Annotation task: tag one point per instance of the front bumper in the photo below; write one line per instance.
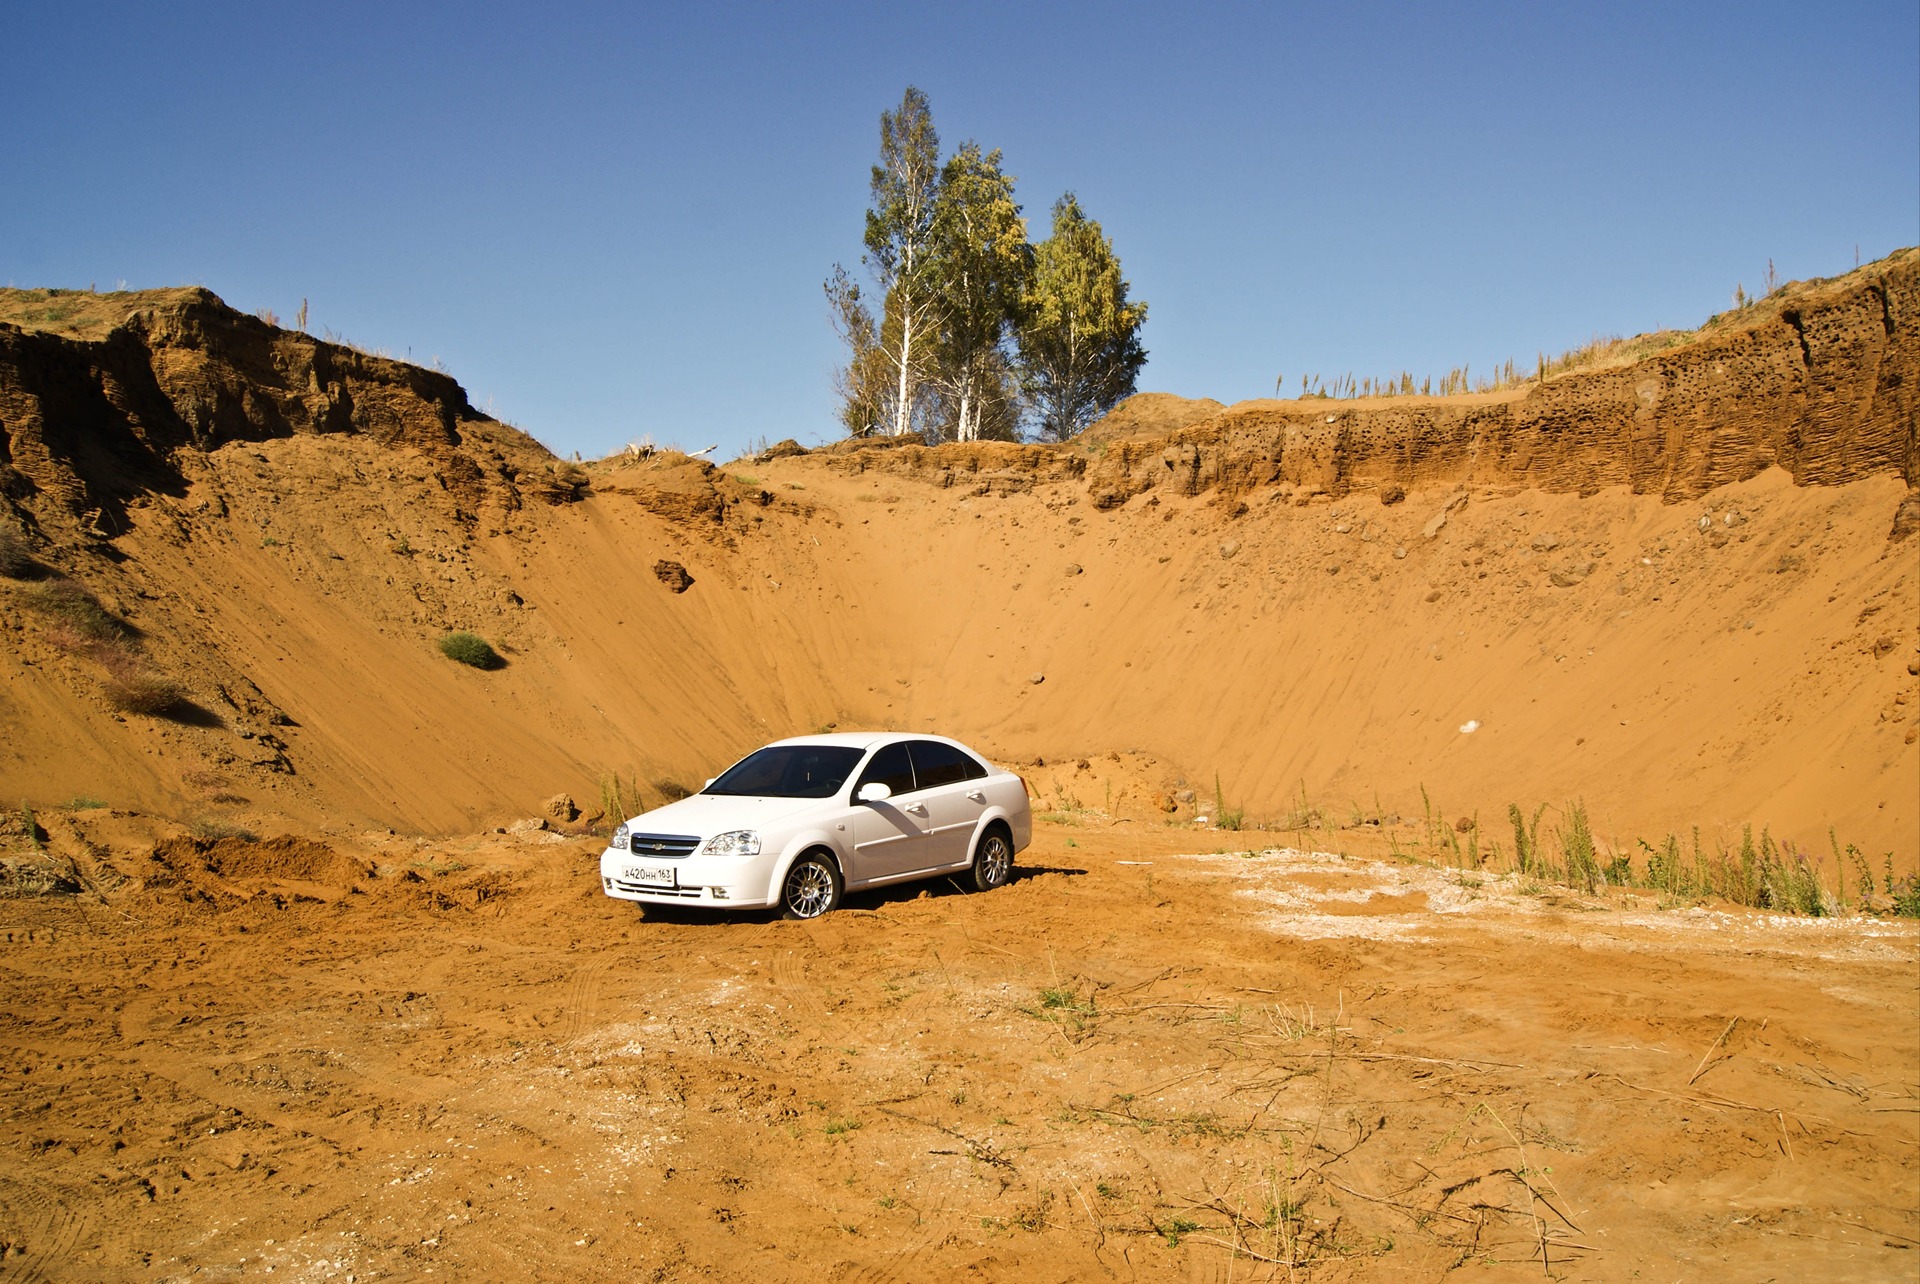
(720, 882)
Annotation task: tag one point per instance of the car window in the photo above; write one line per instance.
(890, 767)
(935, 763)
(788, 771)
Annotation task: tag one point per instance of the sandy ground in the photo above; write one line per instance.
(1161, 1053)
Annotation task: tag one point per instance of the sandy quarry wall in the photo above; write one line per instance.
(1686, 606)
(1818, 380)
(96, 411)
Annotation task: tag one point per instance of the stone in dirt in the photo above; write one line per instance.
(532, 825)
(562, 808)
(673, 575)
(1439, 520)
(1906, 518)
(1568, 576)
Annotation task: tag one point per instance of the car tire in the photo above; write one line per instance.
(992, 861)
(811, 888)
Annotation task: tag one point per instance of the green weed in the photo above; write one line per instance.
(1225, 817)
(470, 649)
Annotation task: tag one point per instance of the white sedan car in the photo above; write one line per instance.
(798, 823)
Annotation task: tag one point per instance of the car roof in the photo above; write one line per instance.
(863, 739)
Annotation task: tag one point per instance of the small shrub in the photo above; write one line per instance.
(1577, 849)
(143, 691)
(132, 685)
(1906, 896)
(1225, 817)
(470, 649)
(618, 800)
(70, 605)
(16, 560)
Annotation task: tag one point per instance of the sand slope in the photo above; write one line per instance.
(1667, 589)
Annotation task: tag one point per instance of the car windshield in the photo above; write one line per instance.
(788, 771)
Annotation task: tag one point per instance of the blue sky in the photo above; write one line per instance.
(613, 220)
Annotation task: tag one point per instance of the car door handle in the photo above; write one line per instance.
(917, 809)
(976, 795)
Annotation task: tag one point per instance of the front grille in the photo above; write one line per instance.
(662, 846)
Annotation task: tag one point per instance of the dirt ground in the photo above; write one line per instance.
(1161, 1053)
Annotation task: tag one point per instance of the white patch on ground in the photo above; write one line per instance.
(1283, 880)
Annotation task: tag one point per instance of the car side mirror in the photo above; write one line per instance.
(874, 791)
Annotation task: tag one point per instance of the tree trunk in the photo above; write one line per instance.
(903, 408)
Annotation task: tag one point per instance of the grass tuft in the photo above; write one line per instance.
(134, 688)
(77, 611)
(1225, 817)
(470, 649)
(16, 559)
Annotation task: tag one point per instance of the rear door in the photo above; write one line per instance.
(948, 788)
(888, 837)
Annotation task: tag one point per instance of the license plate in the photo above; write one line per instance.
(656, 875)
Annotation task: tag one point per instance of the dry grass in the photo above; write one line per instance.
(16, 558)
(74, 611)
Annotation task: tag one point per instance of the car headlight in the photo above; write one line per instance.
(735, 842)
(620, 837)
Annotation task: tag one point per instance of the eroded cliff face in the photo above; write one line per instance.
(1817, 380)
(98, 393)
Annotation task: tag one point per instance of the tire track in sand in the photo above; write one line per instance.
(790, 978)
(40, 1227)
(908, 1265)
(584, 989)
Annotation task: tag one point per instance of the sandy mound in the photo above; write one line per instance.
(246, 866)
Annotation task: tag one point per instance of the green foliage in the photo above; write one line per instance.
(975, 328)
(904, 187)
(1578, 858)
(619, 800)
(1906, 896)
(979, 265)
(1761, 872)
(1225, 817)
(1079, 336)
(1526, 840)
(470, 649)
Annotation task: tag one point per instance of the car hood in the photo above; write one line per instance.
(705, 814)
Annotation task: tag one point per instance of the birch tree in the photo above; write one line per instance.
(978, 267)
(1079, 336)
(905, 185)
